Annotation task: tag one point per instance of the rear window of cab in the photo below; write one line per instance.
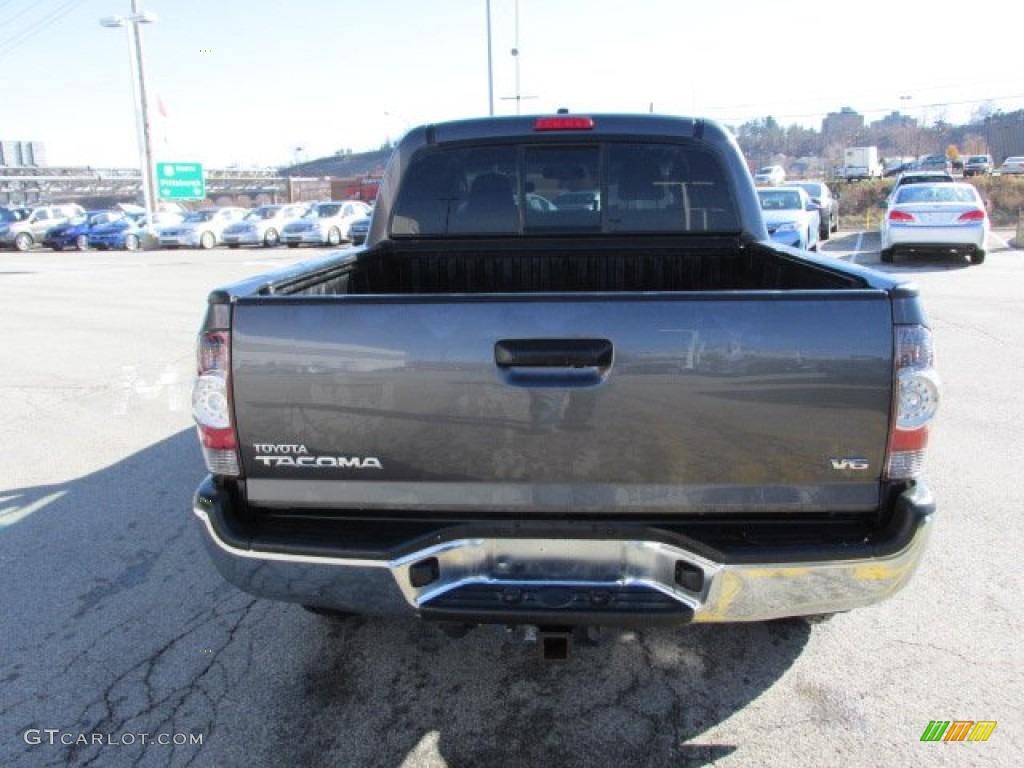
(552, 189)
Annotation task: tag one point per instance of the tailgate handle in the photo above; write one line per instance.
(553, 353)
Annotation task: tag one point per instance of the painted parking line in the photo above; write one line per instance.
(1002, 243)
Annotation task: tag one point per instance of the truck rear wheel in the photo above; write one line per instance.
(885, 255)
(978, 257)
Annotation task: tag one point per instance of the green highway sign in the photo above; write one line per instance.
(180, 181)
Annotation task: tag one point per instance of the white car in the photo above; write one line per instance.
(772, 175)
(935, 218)
(1012, 166)
(202, 228)
(325, 224)
(24, 232)
(263, 225)
(791, 217)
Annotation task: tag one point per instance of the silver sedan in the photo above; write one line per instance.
(262, 226)
(935, 218)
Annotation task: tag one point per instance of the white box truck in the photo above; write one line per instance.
(861, 163)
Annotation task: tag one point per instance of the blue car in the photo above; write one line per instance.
(124, 234)
(75, 233)
(127, 233)
(358, 230)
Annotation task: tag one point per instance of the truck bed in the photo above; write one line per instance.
(709, 264)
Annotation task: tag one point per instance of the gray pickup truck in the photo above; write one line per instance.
(568, 381)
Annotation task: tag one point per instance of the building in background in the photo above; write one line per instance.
(1004, 134)
(19, 154)
(845, 122)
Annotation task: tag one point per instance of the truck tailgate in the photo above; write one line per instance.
(666, 403)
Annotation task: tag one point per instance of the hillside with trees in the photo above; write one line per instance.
(806, 151)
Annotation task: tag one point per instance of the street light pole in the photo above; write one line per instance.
(148, 182)
(515, 54)
(132, 23)
(490, 65)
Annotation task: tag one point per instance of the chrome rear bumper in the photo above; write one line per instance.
(483, 579)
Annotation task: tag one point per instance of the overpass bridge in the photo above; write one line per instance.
(100, 187)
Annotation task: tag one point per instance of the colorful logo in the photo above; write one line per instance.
(958, 730)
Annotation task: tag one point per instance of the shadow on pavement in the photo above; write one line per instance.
(921, 262)
(115, 622)
(390, 692)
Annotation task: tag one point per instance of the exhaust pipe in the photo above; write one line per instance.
(555, 644)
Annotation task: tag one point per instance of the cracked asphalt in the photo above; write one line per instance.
(120, 645)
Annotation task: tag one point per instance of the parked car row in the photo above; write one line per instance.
(968, 165)
(69, 226)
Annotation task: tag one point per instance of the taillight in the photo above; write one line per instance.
(975, 215)
(917, 400)
(564, 123)
(211, 404)
(900, 216)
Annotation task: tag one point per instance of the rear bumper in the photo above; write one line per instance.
(959, 237)
(788, 237)
(242, 238)
(613, 579)
(315, 237)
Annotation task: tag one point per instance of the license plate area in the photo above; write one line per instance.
(554, 580)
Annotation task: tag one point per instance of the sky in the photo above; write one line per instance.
(263, 83)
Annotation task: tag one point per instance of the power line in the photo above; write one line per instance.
(880, 110)
(854, 97)
(30, 7)
(8, 45)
